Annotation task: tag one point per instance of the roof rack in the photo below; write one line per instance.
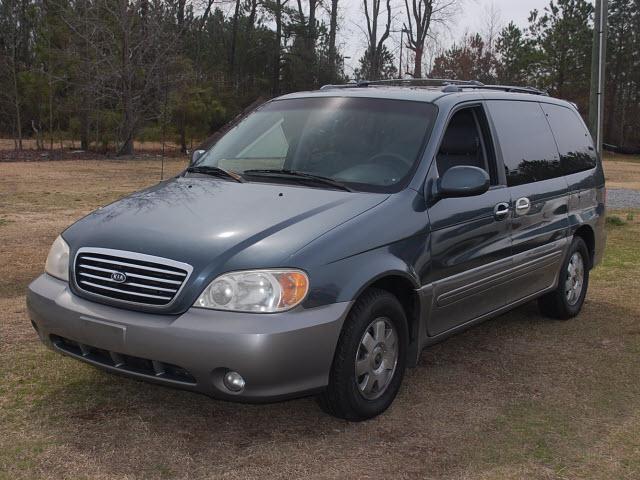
(502, 88)
(448, 85)
(406, 82)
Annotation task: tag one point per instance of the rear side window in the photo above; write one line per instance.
(574, 142)
(528, 148)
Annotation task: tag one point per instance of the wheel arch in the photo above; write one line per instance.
(405, 288)
(587, 234)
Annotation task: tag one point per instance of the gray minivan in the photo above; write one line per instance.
(329, 237)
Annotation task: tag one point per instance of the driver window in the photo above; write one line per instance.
(463, 144)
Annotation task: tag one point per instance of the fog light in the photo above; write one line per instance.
(234, 381)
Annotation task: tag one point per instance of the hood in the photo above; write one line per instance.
(216, 225)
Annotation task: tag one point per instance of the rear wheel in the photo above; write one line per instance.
(567, 299)
(370, 358)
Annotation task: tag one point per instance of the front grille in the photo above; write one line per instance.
(129, 277)
(124, 363)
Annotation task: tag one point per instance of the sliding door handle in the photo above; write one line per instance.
(501, 211)
(523, 205)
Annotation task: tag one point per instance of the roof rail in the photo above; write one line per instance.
(449, 85)
(406, 82)
(502, 88)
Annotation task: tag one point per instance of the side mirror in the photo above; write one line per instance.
(462, 181)
(195, 156)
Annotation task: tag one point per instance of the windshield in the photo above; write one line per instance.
(366, 143)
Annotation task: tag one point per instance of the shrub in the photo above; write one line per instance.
(615, 221)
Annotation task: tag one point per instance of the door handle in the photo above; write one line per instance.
(501, 210)
(523, 205)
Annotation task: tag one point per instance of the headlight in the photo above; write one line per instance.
(263, 291)
(58, 260)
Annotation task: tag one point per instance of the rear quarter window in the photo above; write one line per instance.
(574, 141)
(528, 148)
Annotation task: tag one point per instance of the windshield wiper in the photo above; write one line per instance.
(215, 172)
(296, 175)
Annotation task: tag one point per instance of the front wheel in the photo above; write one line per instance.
(567, 299)
(370, 358)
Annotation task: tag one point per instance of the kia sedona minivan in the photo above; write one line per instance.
(329, 237)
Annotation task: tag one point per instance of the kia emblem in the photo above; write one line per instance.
(118, 277)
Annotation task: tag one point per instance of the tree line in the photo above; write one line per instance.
(553, 53)
(108, 72)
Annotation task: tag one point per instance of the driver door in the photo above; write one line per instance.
(470, 239)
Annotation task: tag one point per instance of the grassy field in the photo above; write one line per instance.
(517, 397)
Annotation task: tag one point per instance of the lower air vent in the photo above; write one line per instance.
(124, 363)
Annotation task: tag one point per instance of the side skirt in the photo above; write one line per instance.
(427, 292)
(465, 326)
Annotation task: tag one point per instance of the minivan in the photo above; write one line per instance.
(327, 238)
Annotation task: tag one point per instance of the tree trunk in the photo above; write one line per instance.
(616, 75)
(128, 125)
(84, 130)
(180, 13)
(17, 106)
(128, 120)
(37, 130)
(623, 117)
(127, 147)
(376, 45)
(16, 93)
(311, 35)
(417, 66)
(333, 26)
(234, 40)
(276, 57)
(252, 15)
(183, 138)
(50, 81)
(311, 45)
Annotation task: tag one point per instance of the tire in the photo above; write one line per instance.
(559, 303)
(360, 396)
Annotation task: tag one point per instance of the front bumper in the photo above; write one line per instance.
(279, 355)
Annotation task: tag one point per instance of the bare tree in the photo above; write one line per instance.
(375, 42)
(421, 15)
(493, 25)
(130, 49)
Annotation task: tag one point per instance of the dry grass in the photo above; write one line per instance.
(517, 397)
(39, 199)
(622, 171)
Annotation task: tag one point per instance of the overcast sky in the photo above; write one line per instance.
(472, 17)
